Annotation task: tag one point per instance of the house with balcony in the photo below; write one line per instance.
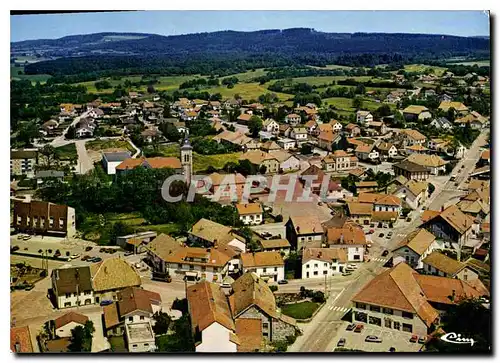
(268, 265)
(367, 152)
(339, 161)
(250, 213)
(293, 119)
(439, 264)
(363, 117)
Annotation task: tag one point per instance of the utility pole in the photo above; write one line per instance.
(325, 287)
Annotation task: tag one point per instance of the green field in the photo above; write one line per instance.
(98, 228)
(66, 152)
(202, 162)
(42, 78)
(249, 75)
(480, 63)
(332, 66)
(345, 104)
(302, 310)
(438, 71)
(97, 145)
(247, 91)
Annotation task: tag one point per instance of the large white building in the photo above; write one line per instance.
(268, 265)
(320, 262)
(111, 160)
(250, 213)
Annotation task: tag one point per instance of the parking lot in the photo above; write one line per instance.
(390, 338)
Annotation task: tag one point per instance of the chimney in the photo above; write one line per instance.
(342, 238)
(442, 208)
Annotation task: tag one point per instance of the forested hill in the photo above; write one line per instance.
(294, 46)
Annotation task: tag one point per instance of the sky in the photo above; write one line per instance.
(463, 23)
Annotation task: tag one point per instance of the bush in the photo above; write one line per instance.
(318, 297)
(273, 288)
(278, 218)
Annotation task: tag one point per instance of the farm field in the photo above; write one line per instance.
(480, 63)
(247, 91)
(98, 145)
(42, 78)
(345, 104)
(202, 162)
(332, 66)
(422, 67)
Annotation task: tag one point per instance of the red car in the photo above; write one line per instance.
(359, 328)
(414, 339)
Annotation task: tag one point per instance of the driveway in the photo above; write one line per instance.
(99, 341)
(84, 163)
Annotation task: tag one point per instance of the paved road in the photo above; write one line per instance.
(84, 163)
(60, 140)
(321, 333)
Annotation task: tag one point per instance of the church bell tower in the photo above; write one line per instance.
(187, 160)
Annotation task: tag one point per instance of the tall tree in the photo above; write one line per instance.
(255, 125)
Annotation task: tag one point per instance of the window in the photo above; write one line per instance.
(61, 222)
(130, 318)
(18, 219)
(307, 266)
(360, 306)
(309, 238)
(315, 265)
(315, 273)
(275, 269)
(146, 344)
(325, 272)
(203, 268)
(191, 267)
(388, 311)
(264, 269)
(407, 327)
(134, 346)
(397, 325)
(67, 304)
(375, 308)
(325, 264)
(375, 321)
(265, 325)
(68, 295)
(216, 269)
(334, 268)
(388, 323)
(407, 315)
(141, 317)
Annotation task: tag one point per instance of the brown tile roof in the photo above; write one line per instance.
(70, 317)
(244, 117)
(306, 224)
(211, 231)
(249, 208)
(455, 218)
(250, 333)
(164, 162)
(418, 240)
(428, 215)
(348, 234)
(416, 147)
(356, 208)
(217, 257)
(385, 146)
(458, 106)
(274, 243)
(328, 136)
(397, 288)
(478, 265)
(410, 166)
(366, 184)
(292, 115)
(364, 148)
(416, 187)
(132, 299)
(163, 245)
(388, 200)
(111, 316)
(440, 289)
(250, 290)
(351, 127)
(324, 254)
(217, 178)
(415, 109)
(20, 340)
(478, 184)
(258, 259)
(114, 273)
(270, 146)
(72, 280)
(443, 263)
(426, 160)
(207, 305)
(310, 123)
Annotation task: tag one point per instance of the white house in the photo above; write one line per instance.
(293, 119)
(211, 320)
(268, 265)
(412, 137)
(414, 193)
(67, 322)
(366, 152)
(439, 264)
(442, 123)
(363, 117)
(271, 126)
(250, 213)
(299, 134)
(336, 126)
(349, 237)
(288, 162)
(415, 247)
(320, 262)
(111, 160)
(286, 143)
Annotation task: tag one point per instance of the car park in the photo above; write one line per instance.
(351, 327)
(341, 342)
(283, 282)
(373, 339)
(414, 339)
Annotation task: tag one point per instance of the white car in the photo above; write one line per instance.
(74, 257)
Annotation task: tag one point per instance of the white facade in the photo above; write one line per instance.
(216, 338)
(414, 201)
(274, 273)
(412, 258)
(209, 273)
(272, 127)
(362, 118)
(292, 163)
(110, 166)
(70, 300)
(318, 268)
(387, 208)
(251, 219)
(65, 330)
(140, 337)
(337, 127)
(286, 143)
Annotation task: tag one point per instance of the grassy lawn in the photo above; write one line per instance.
(98, 229)
(66, 152)
(249, 75)
(97, 145)
(118, 344)
(332, 66)
(302, 310)
(247, 91)
(345, 104)
(202, 162)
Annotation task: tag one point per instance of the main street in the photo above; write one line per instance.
(319, 335)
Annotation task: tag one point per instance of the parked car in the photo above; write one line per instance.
(359, 328)
(95, 259)
(422, 340)
(14, 249)
(130, 253)
(20, 236)
(351, 327)
(283, 282)
(86, 258)
(385, 253)
(102, 250)
(57, 254)
(371, 231)
(88, 248)
(74, 257)
(341, 342)
(29, 287)
(408, 219)
(25, 238)
(392, 349)
(373, 339)
(389, 235)
(347, 273)
(381, 235)
(414, 339)
(106, 302)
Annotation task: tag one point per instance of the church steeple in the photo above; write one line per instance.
(187, 160)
